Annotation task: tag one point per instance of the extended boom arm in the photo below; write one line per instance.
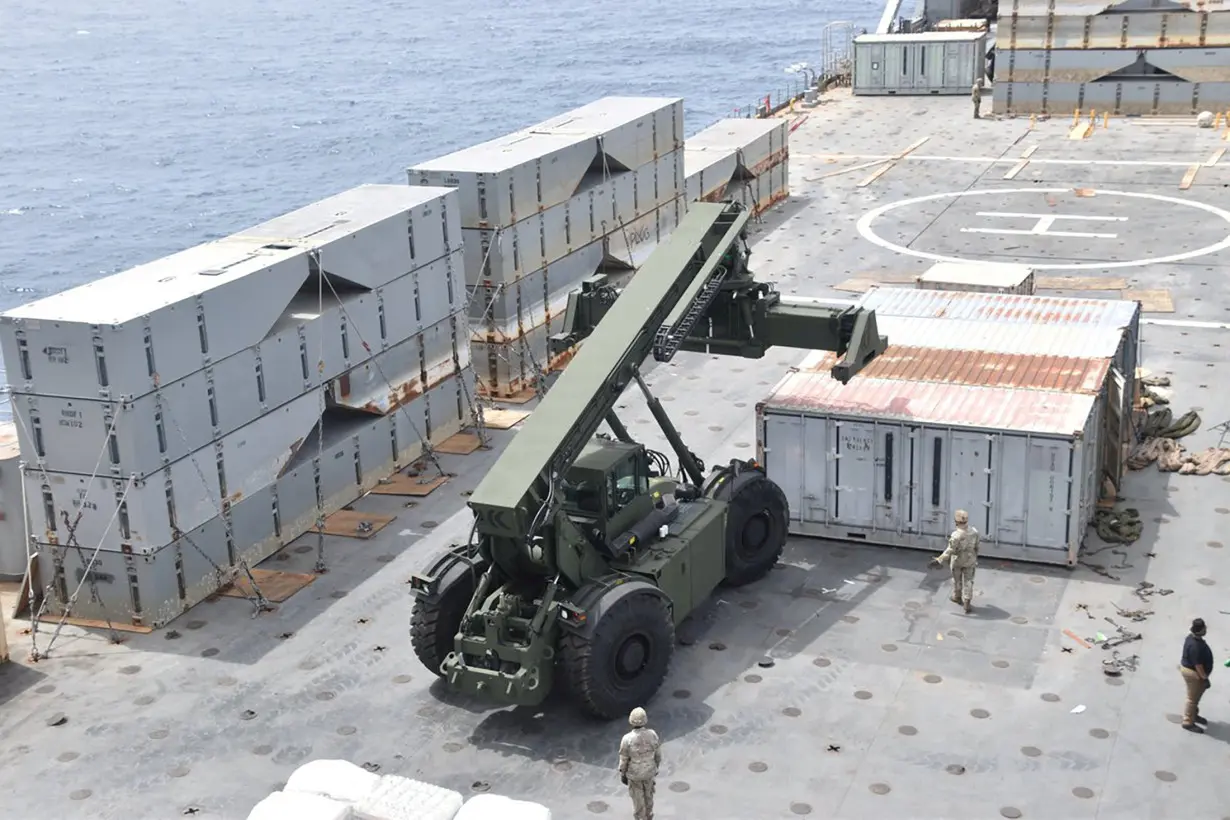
(734, 315)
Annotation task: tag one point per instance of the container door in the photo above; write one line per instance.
(892, 479)
(1049, 492)
(954, 77)
(854, 474)
(1013, 498)
(971, 477)
(925, 65)
(816, 460)
(1112, 440)
(876, 68)
(783, 457)
(908, 68)
(933, 489)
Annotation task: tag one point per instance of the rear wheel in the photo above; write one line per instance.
(435, 622)
(624, 660)
(756, 524)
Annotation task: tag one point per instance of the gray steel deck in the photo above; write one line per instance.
(883, 701)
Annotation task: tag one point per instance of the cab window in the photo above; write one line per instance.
(627, 481)
(583, 497)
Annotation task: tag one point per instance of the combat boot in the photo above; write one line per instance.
(954, 598)
(969, 607)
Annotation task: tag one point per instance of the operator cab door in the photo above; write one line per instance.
(854, 470)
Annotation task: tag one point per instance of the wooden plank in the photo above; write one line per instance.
(1151, 301)
(914, 146)
(851, 169)
(884, 169)
(461, 444)
(888, 278)
(501, 419)
(401, 484)
(855, 285)
(1029, 152)
(522, 396)
(90, 623)
(1079, 640)
(1081, 131)
(1216, 158)
(356, 523)
(1189, 177)
(1080, 283)
(1016, 169)
(275, 585)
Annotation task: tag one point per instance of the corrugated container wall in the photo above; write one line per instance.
(890, 461)
(177, 413)
(13, 542)
(1012, 323)
(550, 206)
(947, 62)
(742, 159)
(1136, 61)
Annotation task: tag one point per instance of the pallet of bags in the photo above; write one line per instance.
(299, 806)
(374, 797)
(495, 807)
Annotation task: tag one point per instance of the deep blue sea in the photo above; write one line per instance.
(134, 129)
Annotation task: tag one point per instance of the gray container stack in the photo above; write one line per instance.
(589, 191)
(171, 416)
(1123, 58)
(742, 159)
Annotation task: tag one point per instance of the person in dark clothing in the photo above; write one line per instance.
(1196, 665)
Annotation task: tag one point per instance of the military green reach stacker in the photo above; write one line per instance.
(586, 553)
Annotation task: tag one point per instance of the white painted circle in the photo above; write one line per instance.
(865, 230)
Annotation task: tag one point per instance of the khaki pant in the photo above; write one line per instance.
(1195, 690)
(977, 107)
(963, 584)
(642, 798)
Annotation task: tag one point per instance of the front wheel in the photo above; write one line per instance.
(435, 622)
(622, 663)
(756, 524)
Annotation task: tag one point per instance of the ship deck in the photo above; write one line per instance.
(844, 685)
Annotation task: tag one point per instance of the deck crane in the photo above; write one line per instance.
(585, 553)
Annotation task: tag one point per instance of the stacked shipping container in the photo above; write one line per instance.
(548, 207)
(1011, 407)
(747, 160)
(1125, 58)
(206, 408)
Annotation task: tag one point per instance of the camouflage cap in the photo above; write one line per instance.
(961, 517)
(638, 718)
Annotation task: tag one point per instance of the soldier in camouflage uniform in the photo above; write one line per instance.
(962, 553)
(640, 755)
(975, 96)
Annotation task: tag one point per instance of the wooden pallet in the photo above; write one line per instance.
(402, 484)
(347, 523)
(275, 586)
(90, 623)
(500, 419)
(461, 444)
(1151, 301)
(1080, 283)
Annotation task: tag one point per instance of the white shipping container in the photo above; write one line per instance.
(372, 234)
(709, 172)
(632, 245)
(889, 462)
(510, 178)
(525, 301)
(504, 255)
(760, 143)
(933, 62)
(634, 131)
(979, 277)
(150, 325)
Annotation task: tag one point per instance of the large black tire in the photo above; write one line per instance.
(624, 661)
(434, 624)
(756, 527)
